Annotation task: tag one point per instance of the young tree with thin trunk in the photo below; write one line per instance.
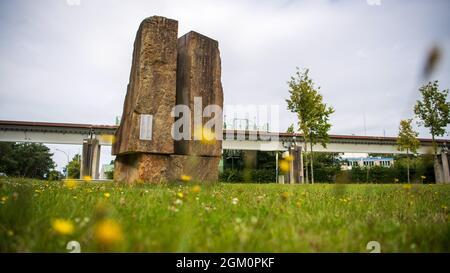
(312, 113)
(300, 102)
(407, 140)
(320, 126)
(433, 111)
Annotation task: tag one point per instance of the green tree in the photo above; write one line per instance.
(300, 102)
(319, 128)
(54, 175)
(407, 140)
(433, 110)
(73, 167)
(312, 114)
(32, 160)
(290, 129)
(8, 164)
(110, 172)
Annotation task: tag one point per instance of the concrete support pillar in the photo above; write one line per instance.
(298, 165)
(438, 176)
(445, 167)
(292, 171)
(90, 159)
(295, 174)
(441, 169)
(276, 167)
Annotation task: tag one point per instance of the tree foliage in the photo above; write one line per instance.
(407, 137)
(32, 160)
(312, 113)
(290, 129)
(302, 99)
(407, 140)
(433, 110)
(74, 167)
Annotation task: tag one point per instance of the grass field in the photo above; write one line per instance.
(40, 216)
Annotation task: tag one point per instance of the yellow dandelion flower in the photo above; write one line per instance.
(87, 179)
(284, 166)
(185, 178)
(196, 189)
(205, 135)
(70, 184)
(107, 194)
(285, 195)
(180, 194)
(110, 139)
(4, 198)
(107, 232)
(208, 136)
(62, 226)
(289, 158)
(407, 186)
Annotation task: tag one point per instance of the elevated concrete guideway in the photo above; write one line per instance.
(73, 133)
(93, 136)
(54, 133)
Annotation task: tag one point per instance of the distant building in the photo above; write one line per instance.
(350, 162)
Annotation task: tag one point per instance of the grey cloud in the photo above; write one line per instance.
(71, 63)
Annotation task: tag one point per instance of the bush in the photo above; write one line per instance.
(230, 175)
(248, 175)
(419, 166)
(54, 175)
(326, 167)
(263, 176)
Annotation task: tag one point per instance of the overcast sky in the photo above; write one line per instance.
(69, 60)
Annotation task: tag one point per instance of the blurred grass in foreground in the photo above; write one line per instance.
(41, 216)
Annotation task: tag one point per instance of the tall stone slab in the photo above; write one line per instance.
(144, 145)
(199, 76)
(146, 121)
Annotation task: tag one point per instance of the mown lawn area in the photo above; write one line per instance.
(42, 216)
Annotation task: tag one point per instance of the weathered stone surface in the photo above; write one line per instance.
(155, 168)
(144, 167)
(199, 75)
(151, 89)
(200, 168)
(157, 83)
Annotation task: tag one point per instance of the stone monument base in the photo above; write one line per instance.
(157, 168)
